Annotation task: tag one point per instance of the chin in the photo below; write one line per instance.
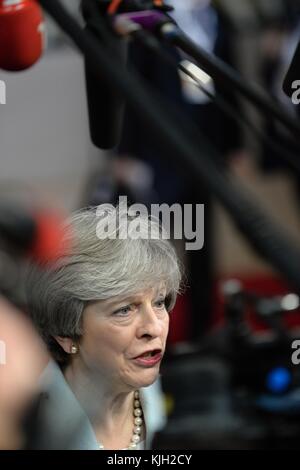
(146, 379)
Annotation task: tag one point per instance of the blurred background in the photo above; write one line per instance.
(232, 329)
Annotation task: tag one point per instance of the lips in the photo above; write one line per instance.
(148, 354)
(149, 358)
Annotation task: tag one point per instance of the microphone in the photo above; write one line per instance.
(21, 34)
(105, 104)
(38, 235)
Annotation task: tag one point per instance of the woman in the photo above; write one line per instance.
(103, 310)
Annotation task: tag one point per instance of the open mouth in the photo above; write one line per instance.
(150, 354)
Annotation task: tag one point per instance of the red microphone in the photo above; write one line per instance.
(51, 239)
(21, 34)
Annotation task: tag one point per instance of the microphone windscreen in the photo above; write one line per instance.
(105, 104)
(21, 34)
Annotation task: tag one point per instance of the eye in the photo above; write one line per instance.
(122, 312)
(161, 303)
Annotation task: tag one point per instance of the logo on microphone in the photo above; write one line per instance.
(2, 353)
(2, 92)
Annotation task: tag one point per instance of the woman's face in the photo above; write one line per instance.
(124, 339)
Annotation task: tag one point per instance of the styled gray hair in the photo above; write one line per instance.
(96, 266)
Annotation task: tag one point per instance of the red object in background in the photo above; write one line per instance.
(21, 34)
(50, 240)
(266, 286)
(180, 320)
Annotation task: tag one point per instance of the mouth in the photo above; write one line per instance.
(149, 358)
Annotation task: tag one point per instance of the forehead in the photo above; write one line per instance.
(135, 296)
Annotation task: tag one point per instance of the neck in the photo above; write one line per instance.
(108, 407)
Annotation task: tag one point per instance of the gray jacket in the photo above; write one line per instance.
(63, 425)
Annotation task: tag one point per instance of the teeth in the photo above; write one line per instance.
(147, 354)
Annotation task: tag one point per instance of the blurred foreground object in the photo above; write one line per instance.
(38, 234)
(22, 359)
(34, 234)
(239, 388)
(21, 34)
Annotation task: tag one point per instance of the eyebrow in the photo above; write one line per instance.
(133, 298)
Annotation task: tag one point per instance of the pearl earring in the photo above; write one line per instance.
(74, 349)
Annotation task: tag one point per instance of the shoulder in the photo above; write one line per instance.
(58, 421)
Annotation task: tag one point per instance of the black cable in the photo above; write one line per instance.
(190, 150)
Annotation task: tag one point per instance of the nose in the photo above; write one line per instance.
(150, 325)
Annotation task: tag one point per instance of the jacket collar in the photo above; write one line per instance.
(64, 424)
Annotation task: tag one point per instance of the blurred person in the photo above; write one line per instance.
(104, 314)
(22, 358)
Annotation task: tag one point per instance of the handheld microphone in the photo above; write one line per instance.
(21, 34)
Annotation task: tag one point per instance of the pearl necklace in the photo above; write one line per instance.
(138, 422)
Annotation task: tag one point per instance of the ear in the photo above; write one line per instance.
(65, 342)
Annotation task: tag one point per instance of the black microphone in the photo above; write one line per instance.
(291, 84)
(16, 227)
(105, 104)
(105, 108)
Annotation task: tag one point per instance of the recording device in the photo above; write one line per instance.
(21, 34)
(239, 388)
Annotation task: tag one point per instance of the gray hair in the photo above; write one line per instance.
(97, 267)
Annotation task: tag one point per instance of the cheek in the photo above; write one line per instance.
(166, 323)
(105, 341)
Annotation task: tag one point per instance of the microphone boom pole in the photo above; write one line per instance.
(228, 77)
(159, 23)
(188, 148)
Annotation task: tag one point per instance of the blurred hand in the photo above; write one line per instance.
(22, 359)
